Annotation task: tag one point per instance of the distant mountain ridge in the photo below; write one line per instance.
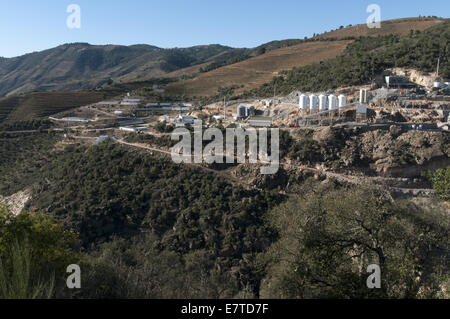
(83, 66)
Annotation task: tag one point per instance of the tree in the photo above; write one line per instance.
(328, 238)
(35, 251)
(441, 183)
(18, 282)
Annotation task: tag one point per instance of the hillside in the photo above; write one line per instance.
(83, 66)
(41, 104)
(80, 66)
(253, 72)
(364, 61)
(400, 27)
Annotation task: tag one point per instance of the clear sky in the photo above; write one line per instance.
(34, 25)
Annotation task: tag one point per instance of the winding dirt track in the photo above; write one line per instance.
(355, 180)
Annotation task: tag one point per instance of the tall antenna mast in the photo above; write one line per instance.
(274, 92)
(224, 108)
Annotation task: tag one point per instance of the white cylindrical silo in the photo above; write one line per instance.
(342, 101)
(332, 102)
(363, 96)
(303, 102)
(313, 103)
(322, 102)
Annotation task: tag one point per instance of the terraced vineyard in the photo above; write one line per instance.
(42, 104)
(254, 72)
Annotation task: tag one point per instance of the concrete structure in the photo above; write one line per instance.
(129, 103)
(241, 111)
(72, 119)
(260, 121)
(363, 96)
(244, 110)
(342, 101)
(313, 103)
(361, 109)
(332, 102)
(131, 100)
(323, 102)
(132, 129)
(304, 102)
(182, 120)
(398, 82)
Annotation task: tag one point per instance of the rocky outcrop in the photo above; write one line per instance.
(17, 201)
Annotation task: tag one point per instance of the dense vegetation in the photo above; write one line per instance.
(365, 58)
(30, 125)
(186, 210)
(338, 234)
(441, 182)
(21, 157)
(142, 227)
(34, 252)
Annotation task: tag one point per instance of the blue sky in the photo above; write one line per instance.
(34, 25)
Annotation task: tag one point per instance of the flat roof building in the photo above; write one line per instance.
(108, 103)
(260, 121)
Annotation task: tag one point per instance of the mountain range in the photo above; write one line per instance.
(82, 66)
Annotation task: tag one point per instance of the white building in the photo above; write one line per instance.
(132, 129)
(260, 121)
(182, 120)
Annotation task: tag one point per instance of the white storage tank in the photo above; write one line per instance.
(322, 102)
(312, 102)
(303, 102)
(332, 105)
(363, 96)
(342, 101)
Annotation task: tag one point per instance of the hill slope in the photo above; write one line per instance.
(40, 104)
(400, 27)
(255, 71)
(83, 66)
(364, 61)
